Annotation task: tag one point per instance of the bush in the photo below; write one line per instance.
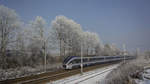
(122, 74)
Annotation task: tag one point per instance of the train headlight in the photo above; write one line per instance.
(69, 66)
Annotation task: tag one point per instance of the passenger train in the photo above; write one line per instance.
(71, 62)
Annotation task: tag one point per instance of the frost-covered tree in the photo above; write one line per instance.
(87, 41)
(9, 22)
(92, 44)
(39, 38)
(107, 50)
(115, 50)
(20, 41)
(96, 44)
(68, 33)
(38, 31)
(110, 49)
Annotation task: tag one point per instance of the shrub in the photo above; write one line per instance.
(122, 74)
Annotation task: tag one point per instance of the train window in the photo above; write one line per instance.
(95, 59)
(78, 60)
(100, 58)
(92, 59)
(75, 61)
(85, 60)
(109, 57)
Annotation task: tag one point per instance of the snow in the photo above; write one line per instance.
(145, 81)
(147, 73)
(25, 71)
(91, 77)
(146, 78)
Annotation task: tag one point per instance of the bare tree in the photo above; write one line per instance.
(92, 43)
(68, 33)
(110, 49)
(9, 23)
(40, 36)
(97, 45)
(20, 41)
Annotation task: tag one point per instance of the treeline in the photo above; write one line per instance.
(29, 44)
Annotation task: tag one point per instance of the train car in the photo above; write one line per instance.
(75, 61)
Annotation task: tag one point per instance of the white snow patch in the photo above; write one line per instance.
(18, 72)
(146, 78)
(91, 77)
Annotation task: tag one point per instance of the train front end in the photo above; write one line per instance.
(66, 62)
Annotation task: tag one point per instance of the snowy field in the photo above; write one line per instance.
(91, 77)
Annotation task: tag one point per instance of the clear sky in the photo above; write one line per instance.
(116, 21)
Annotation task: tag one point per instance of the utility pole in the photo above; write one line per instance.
(45, 52)
(81, 65)
(137, 52)
(45, 55)
(124, 51)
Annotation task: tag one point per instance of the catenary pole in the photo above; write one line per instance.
(124, 51)
(81, 65)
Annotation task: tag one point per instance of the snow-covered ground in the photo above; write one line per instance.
(146, 78)
(26, 71)
(91, 77)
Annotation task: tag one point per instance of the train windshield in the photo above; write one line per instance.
(67, 59)
(75, 61)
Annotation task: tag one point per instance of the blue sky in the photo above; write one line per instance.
(116, 21)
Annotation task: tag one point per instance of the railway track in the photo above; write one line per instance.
(77, 79)
(51, 76)
(87, 77)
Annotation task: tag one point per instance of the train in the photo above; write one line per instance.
(72, 62)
